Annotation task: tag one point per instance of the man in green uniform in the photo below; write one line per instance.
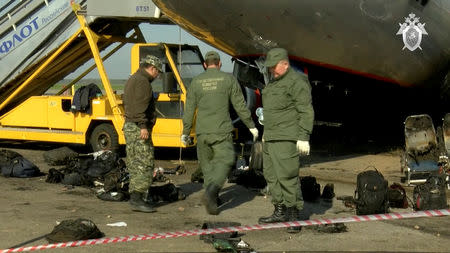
(288, 123)
(140, 118)
(210, 94)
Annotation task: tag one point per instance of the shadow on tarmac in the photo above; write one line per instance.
(190, 188)
(235, 195)
(319, 206)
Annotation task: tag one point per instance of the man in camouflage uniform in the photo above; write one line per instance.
(210, 94)
(288, 123)
(140, 118)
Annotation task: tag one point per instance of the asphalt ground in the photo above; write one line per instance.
(30, 208)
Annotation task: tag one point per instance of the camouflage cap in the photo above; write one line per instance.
(212, 55)
(154, 61)
(274, 56)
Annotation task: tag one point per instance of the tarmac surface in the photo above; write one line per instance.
(30, 208)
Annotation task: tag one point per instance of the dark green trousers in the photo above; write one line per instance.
(140, 158)
(281, 171)
(216, 155)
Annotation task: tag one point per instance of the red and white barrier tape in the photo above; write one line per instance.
(361, 218)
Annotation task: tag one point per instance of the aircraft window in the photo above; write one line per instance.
(66, 104)
(156, 51)
(169, 110)
(157, 84)
(191, 64)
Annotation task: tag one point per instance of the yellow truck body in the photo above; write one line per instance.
(24, 116)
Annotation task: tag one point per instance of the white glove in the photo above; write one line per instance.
(254, 132)
(184, 139)
(303, 147)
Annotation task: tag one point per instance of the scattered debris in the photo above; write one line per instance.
(229, 242)
(112, 196)
(180, 169)
(348, 201)
(331, 228)
(117, 224)
(165, 193)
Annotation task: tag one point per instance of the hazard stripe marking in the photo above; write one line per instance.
(361, 218)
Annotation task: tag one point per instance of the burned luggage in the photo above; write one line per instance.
(7, 155)
(371, 193)
(74, 230)
(397, 196)
(431, 195)
(20, 167)
(59, 156)
(310, 188)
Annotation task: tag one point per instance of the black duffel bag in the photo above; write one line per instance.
(20, 167)
(430, 195)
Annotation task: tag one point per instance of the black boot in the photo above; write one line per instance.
(210, 199)
(279, 215)
(293, 215)
(139, 205)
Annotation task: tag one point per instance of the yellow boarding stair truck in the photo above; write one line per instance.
(42, 41)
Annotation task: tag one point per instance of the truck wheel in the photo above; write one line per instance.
(104, 137)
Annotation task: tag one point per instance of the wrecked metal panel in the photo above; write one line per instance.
(446, 131)
(420, 135)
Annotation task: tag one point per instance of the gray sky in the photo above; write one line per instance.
(118, 65)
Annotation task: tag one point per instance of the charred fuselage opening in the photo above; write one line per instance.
(351, 108)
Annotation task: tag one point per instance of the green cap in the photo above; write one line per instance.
(274, 56)
(154, 61)
(212, 55)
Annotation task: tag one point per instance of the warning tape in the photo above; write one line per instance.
(361, 218)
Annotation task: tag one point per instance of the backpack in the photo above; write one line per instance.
(74, 230)
(371, 194)
(20, 167)
(81, 101)
(310, 188)
(431, 194)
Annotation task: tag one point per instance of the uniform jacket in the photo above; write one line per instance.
(211, 94)
(288, 110)
(81, 101)
(138, 100)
